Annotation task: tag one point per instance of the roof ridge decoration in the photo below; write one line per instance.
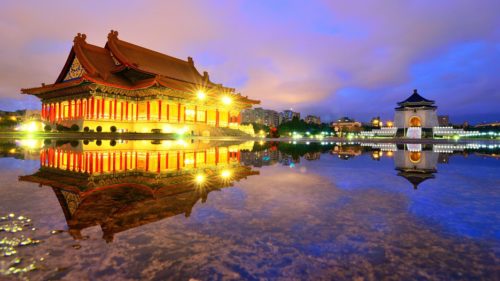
(79, 42)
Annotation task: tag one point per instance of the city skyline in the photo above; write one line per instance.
(322, 59)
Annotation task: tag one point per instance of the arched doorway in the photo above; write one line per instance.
(415, 122)
(415, 156)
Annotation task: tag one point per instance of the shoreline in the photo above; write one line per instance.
(161, 136)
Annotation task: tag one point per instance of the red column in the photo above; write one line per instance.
(92, 107)
(166, 161)
(70, 115)
(239, 118)
(103, 106)
(114, 109)
(114, 162)
(147, 161)
(137, 112)
(87, 108)
(195, 113)
(168, 112)
(148, 110)
(121, 160)
(126, 110)
(178, 160)
(217, 118)
(102, 162)
(110, 116)
(59, 113)
(159, 163)
(159, 109)
(185, 114)
(86, 162)
(216, 155)
(80, 158)
(78, 109)
(91, 163)
(81, 109)
(179, 113)
(98, 109)
(74, 162)
(136, 160)
(126, 161)
(97, 156)
(109, 162)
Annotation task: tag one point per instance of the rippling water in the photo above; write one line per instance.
(175, 210)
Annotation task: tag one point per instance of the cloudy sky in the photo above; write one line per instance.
(331, 58)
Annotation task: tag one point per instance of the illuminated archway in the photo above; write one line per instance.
(415, 122)
(415, 156)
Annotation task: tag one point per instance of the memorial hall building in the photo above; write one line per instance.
(127, 88)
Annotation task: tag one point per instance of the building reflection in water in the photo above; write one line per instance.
(120, 186)
(126, 184)
(415, 164)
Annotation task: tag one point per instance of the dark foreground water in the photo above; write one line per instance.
(181, 210)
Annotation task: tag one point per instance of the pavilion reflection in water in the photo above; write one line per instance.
(415, 164)
(120, 186)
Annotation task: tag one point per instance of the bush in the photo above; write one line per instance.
(74, 143)
(86, 129)
(112, 143)
(113, 129)
(98, 142)
(86, 142)
(61, 128)
(75, 128)
(47, 128)
(99, 129)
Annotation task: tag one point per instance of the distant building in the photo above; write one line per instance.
(288, 115)
(488, 125)
(312, 119)
(376, 122)
(262, 116)
(415, 116)
(444, 120)
(32, 115)
(346, 124)
(17, 115)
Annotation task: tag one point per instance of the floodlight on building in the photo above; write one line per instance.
(201, 94)
(199, 179)
(225, 174)
(227, 100)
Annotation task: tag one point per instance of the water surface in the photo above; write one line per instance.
(177, 210)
